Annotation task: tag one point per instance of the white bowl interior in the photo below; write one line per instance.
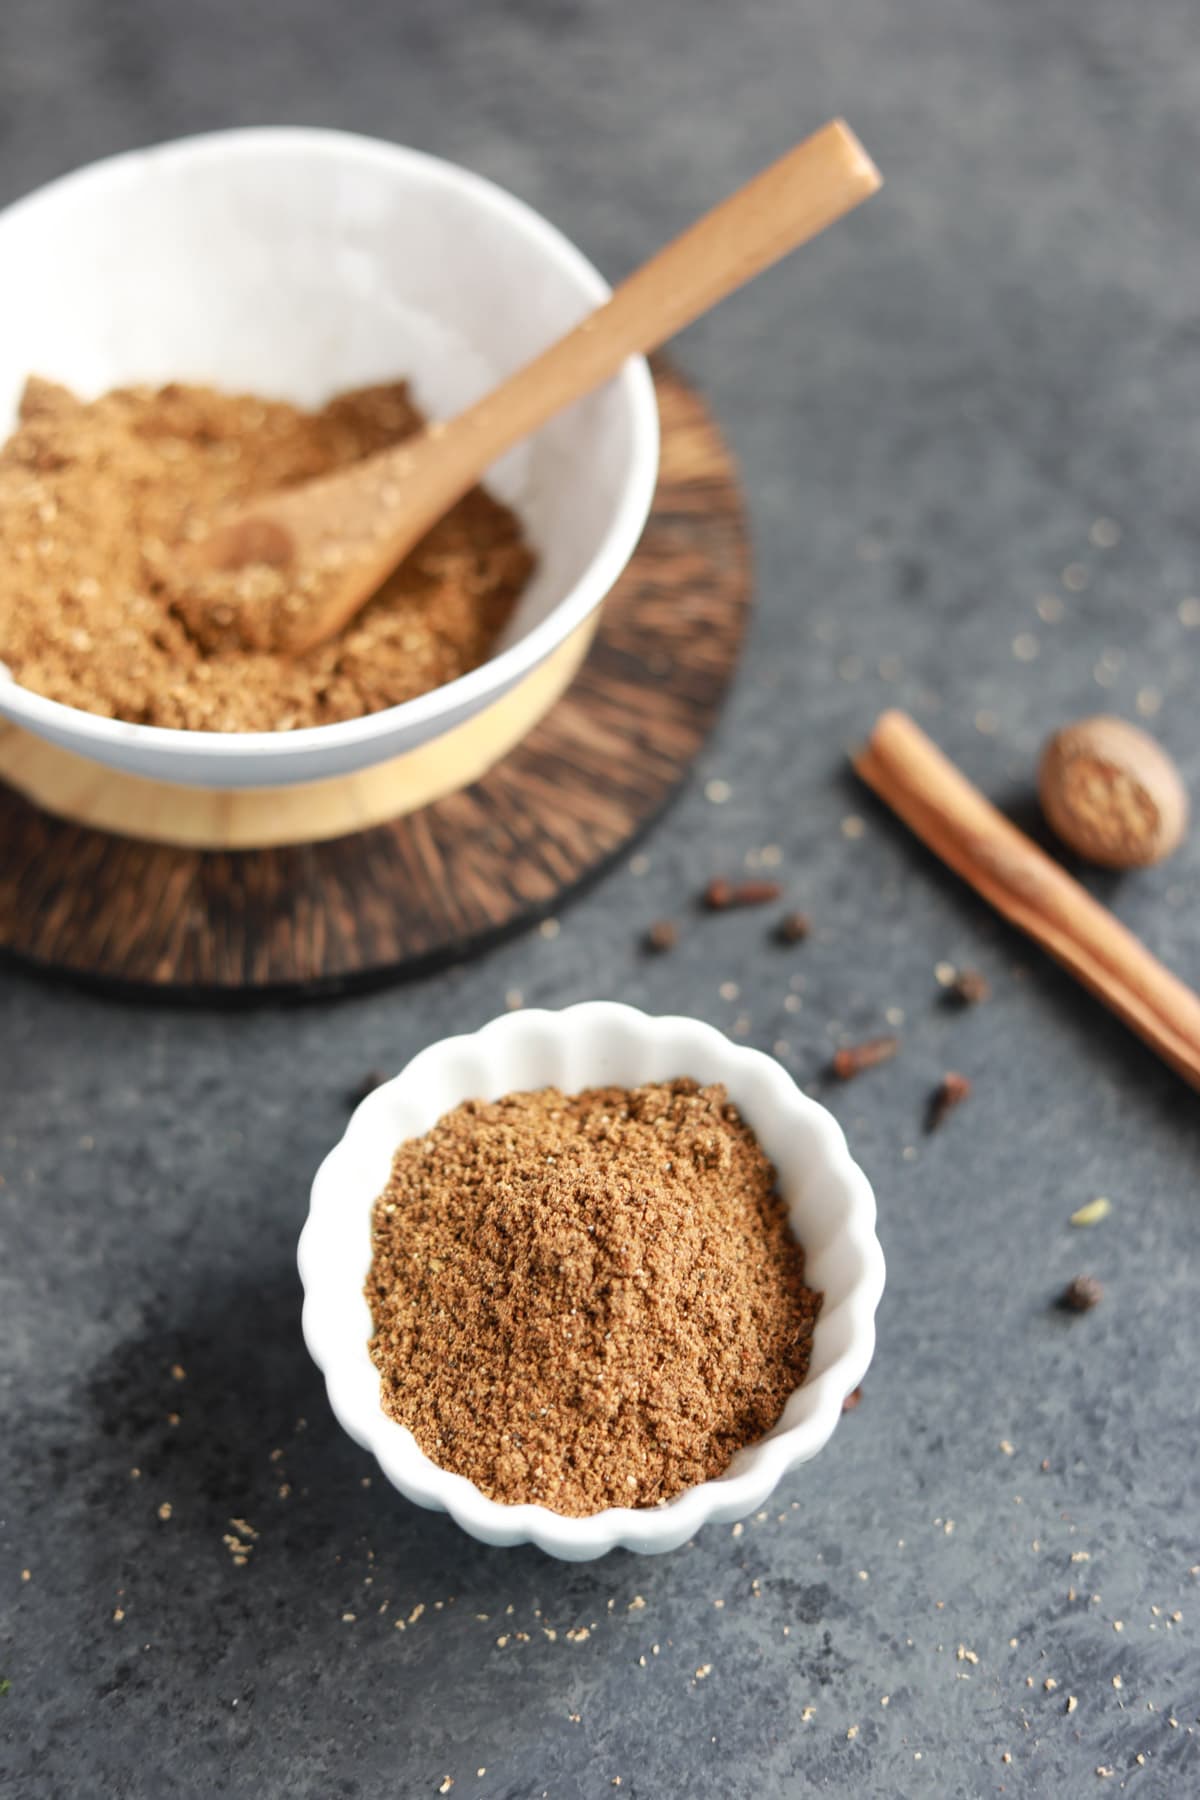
(298, 263)
(829, 1201)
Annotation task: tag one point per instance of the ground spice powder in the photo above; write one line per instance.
(587, 1301)
(95, 498)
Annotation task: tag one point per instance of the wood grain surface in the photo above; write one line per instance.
(443, 881)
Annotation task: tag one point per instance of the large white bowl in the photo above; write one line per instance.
(829, 1201)
(296, 263)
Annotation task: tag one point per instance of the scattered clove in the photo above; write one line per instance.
(969, 988)
(793, 928)
(720, 894)
(663, 935)
(950, 1092)
(1081, 1294)
(852, 1059)
(853, 1399)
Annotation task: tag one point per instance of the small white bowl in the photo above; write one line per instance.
(830, 1205)
(295, 263)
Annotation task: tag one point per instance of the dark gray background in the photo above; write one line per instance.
(932, 407)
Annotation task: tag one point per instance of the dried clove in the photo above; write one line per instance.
(720, 894)
(969, 988)
(1081, 1294)
(793, 928)
(950, 1092)
(852, 1059)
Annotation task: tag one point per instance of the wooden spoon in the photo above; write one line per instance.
(345, 532)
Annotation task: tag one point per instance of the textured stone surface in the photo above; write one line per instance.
(932, 409)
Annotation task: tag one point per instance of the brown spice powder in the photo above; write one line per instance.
(589, 1300)
(95, 498)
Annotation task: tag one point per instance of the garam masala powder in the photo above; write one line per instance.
(589, 1300)
(96, 607)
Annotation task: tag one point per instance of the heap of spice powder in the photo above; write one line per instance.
(589, 1300)
(97, 608)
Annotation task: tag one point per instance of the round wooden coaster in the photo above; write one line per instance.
(468, 868)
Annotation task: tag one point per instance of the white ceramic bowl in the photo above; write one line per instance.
(829, 1200)
(296, 263)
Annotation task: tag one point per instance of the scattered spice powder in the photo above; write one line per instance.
(97, 500)
(587, 1300)
(1093, 1213)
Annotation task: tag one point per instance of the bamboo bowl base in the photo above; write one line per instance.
(331, 884)
(309, 812)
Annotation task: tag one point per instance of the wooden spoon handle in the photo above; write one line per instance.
(1030, 889)
(780, 209)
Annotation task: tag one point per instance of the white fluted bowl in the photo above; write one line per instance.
(830, 1205)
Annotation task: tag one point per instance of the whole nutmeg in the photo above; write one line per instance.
(1112, 794)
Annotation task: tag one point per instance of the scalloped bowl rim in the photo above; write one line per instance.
(336, 1322)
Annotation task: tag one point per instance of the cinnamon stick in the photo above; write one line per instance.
(967, 832)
